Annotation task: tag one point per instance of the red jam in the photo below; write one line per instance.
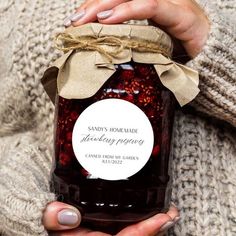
(116, 203)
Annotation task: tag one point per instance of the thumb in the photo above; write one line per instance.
(61, 216)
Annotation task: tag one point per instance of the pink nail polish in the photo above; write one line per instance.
(176, 219)
(68, 217)
(167, 226)
(105, 14)
(67, 22)
(77, 16)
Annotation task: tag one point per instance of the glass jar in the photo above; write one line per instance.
(108, 205)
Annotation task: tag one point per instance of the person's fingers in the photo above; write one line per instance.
(77, 14)
(118, 11)
(157, 10)
(173, 212)
(180, 18)
(60, 216)
(147, 227)
(88, 11)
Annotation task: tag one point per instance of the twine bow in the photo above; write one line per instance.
(66, 42)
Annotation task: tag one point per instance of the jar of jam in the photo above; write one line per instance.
(112, 147)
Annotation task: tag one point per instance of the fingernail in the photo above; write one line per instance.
(174, 205)
(68, 217)
(77, 15)
(176, 219)
(104, 14)
(67, 22)
(166, 226)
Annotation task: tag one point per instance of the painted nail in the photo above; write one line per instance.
(68, 217)
(104, 14)
(77, 15)
(166, 226)
(67, 21)
(173, 204)
(176, 219)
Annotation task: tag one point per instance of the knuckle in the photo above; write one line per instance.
(151, 5)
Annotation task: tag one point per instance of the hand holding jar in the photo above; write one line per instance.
(182, 19)
(62, 219)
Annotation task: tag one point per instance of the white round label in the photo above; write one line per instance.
(112, 139)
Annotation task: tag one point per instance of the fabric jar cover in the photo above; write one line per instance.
(92, 50)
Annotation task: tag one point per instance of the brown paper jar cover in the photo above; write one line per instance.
(83, 77)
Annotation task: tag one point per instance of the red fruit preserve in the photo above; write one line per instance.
(113, 149)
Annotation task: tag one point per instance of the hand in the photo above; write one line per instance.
(183, 19)
(62, 220)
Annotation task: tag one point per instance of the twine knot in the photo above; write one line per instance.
(66, 42)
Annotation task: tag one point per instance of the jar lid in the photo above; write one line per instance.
(141, 38)
(92, 50)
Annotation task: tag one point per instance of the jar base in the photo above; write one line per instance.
(112, 224)
(101, 219)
